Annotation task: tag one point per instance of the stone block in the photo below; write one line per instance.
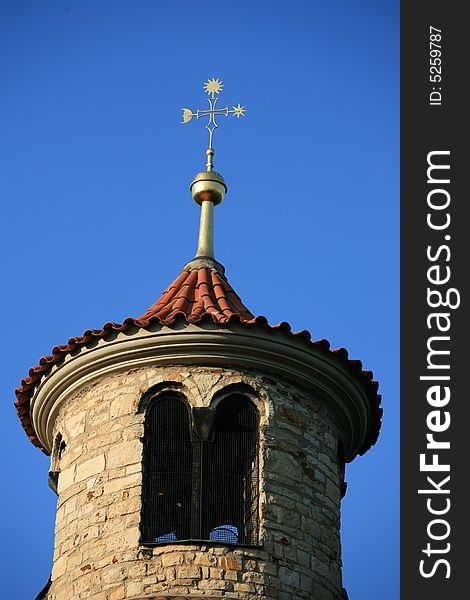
(121, 485)
(135, 468)
(99, 418)
(320, 567)
(267, 567)
(121, 405)
(119, 509)
(289, 577)
(59, 567)
(133, 588)
(283, 465)
(303, 558)
(209, 560)
(188, 572)
(253, 577)
(70, 506)
(90, 467)
(232, 563)
(114, 574)
(175, 558)
(215, 584)
(118, 593)
(216, 573)
(75, 425)
(91, 533)
(66, 479)
(247, 588)
(132, 536)
(306, 583)
(333, 491)
(125, 454)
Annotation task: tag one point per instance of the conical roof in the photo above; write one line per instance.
(201, 288)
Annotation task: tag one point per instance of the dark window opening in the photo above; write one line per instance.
(341, 469)
(230, 474)
(201, 478)
(167, 471)
(58, 451)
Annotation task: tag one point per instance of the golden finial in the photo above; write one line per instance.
(212, 87)
(208, 187)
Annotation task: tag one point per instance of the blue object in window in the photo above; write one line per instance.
(167, 537)
(225, 533)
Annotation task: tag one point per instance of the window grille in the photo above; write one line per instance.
(230, 474)
(168, 461)
(201, 482)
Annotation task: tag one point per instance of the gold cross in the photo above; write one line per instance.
(212, 87)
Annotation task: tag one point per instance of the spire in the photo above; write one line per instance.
(208, 187)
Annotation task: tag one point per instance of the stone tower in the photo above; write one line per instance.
(196, 450)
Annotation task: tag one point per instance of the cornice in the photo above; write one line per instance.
(259, 348)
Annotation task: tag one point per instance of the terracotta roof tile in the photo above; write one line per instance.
(199, 293)
(204, 289)
(202, 277)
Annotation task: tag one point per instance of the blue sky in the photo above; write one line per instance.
(98, 220)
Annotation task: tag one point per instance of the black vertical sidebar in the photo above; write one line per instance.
(435, 257)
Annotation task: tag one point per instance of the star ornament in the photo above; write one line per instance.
(213, 86)
(238, 111)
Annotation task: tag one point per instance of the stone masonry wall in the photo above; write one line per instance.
(97, 553)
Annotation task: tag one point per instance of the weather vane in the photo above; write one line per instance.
(212, 87)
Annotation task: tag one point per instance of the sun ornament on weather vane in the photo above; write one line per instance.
(212, 87)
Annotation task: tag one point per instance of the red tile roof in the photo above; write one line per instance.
(201, 292)
(204, 290)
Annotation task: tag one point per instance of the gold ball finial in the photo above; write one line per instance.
(208, 185)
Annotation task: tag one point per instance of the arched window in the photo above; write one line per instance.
(341, 468)
(168, 464)
(200, 472)
(58, 450)
(230, 474)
